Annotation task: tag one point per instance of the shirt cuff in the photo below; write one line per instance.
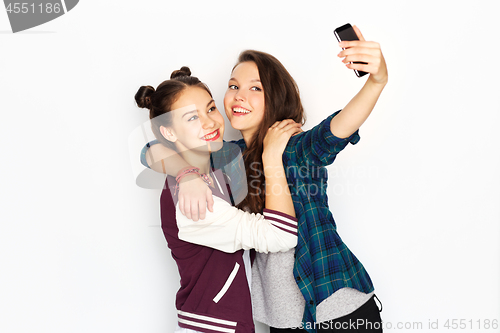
(331, 139)
(144, 151)
(281, 220)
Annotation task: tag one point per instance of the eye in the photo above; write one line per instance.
(213, 108)
(256, 89)
(193, 118)
(233, 87)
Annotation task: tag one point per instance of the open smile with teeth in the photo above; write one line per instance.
(211, 135)
(240, 110)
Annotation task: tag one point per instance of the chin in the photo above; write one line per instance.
(237, 125)
(215, 146)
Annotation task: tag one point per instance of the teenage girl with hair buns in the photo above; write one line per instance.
(214, 295)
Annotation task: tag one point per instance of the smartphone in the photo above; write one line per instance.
(346, 32)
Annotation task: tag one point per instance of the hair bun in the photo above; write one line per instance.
(143, 96)
(184, 71)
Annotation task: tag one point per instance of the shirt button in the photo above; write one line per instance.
(298, 278)
(311, 302)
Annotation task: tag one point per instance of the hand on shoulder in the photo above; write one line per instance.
(277, 137)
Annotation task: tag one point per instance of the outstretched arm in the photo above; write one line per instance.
(359, 108)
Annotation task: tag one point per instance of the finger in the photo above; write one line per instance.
(202, 209)
(290, 129)
(181, 205)
(361, 58)
(285, 123)
(210, 201)
(354, 43)
(362, 67)
(358, 32)
(285, 128)
(194, 211)
(297, 131)
(291, 125)
(187, 209)
(360, 50)
(275, 124)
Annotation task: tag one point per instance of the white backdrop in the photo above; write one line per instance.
(417, 200)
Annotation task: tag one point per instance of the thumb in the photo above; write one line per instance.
(358, 32)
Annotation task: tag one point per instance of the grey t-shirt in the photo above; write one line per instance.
(278, 302)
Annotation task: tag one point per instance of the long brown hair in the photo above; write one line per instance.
(160, 101)
(282, 101)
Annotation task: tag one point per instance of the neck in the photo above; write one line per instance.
(200, 160)
(248, 137)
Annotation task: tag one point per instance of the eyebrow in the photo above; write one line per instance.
(253, 80)
(189, 112)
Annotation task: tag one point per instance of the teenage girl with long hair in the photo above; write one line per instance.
(321, 285)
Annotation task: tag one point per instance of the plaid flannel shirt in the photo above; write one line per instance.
(323, 263)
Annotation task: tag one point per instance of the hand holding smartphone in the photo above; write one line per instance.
(346, 32)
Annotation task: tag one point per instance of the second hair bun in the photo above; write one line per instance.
(184, 71)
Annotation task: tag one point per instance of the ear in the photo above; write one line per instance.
(168, 133)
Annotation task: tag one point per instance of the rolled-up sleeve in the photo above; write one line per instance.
(318, 146)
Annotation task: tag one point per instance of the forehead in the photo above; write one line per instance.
(190, 99)
(246, 70)
(196, 96)
(192, 95)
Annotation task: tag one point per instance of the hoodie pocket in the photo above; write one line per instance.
(228, 283)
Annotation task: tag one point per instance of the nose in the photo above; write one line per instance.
(207, 122)
(239, 95)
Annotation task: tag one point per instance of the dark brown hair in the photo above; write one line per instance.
(282, 101)
(160, 101)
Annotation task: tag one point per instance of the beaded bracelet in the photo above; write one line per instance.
(186, 171)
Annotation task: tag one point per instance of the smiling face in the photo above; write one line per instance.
(244, 99)
(196, 122)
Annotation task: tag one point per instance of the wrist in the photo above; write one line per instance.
(188, 178)
(187, 172)
(378, 83)
(273, 168)
(271, 158)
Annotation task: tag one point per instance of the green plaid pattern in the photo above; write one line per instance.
(323, 263)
